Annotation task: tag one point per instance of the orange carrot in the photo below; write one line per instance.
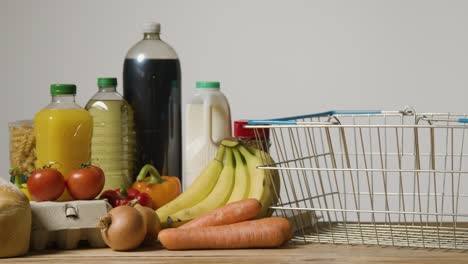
(261, 233)
(231, 213)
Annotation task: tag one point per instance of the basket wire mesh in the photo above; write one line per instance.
(372, 177)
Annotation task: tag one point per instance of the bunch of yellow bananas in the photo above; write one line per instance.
(231, 176)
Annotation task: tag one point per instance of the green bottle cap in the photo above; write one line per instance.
(106, 82)
(56, 89)
(209, 85)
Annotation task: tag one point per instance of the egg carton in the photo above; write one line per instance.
(64, 225)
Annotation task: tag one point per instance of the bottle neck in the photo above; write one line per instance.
(108, 89)
(208, 90)
(63, 98)
(152, 36)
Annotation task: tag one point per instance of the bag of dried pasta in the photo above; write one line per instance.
(22, 152)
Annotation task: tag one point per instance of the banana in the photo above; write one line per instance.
(257, 176)
(266, 201)
(260, 182)
(197, 191)
(241, 181)
(274, 174)
(217, 197)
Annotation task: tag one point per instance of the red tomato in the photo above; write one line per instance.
(85, 183)
(46, 184)
(99, 170)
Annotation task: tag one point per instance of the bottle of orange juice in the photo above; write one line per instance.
(63, 132)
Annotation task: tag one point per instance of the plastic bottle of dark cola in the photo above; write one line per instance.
(152, 86)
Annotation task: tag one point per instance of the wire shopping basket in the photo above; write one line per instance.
(372, 177)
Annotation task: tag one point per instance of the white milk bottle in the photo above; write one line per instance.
(208, 122)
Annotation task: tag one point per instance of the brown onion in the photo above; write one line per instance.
(123, 228)
(153, 225)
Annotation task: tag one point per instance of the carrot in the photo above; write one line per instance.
(261, 233)
(231, 213)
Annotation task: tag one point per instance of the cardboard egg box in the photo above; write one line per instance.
(64, 225)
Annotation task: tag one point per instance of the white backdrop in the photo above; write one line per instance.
(273, 58)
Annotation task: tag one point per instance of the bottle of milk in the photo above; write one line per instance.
(208, 122)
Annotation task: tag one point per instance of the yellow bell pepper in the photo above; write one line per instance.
(161, 189)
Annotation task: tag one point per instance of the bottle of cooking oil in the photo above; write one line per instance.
(113, 140)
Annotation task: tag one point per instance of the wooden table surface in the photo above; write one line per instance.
(291, 253)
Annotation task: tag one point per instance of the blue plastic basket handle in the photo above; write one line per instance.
(463, 120)
(292, 119)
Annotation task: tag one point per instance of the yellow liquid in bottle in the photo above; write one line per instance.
(113, 141)
(63, 137)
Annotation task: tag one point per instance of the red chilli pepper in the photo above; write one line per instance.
(132, 193)
(121, 196)
(144, 199)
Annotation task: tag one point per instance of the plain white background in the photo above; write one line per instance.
(274, 58)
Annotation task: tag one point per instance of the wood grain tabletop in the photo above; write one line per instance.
(291, 253)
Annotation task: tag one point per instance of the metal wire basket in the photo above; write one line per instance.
(372, 177)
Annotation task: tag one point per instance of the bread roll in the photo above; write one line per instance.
(15, 221)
